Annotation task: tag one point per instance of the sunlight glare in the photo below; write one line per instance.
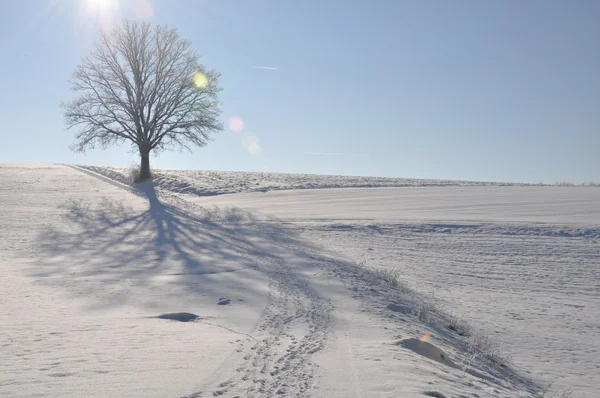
(105, 12)
(113, 9)
(101, 6)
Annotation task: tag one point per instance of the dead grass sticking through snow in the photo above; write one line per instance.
(427, 310)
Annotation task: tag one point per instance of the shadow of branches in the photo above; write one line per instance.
(157, 252)
(169, 249)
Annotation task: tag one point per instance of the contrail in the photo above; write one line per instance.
(265, 67)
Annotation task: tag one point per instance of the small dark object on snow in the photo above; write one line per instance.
(460, 332)
(397, 308)
(454, 329)
(179, 316)
(224, 301)
(434, 394)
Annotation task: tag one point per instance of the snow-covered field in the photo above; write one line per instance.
(206, 182)
(88, 263)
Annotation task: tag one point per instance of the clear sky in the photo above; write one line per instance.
(486, 90)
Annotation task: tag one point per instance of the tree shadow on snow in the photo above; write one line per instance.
(159, 252)
(109, 250)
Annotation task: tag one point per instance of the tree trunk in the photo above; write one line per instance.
(145, 166)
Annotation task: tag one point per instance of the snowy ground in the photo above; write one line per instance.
(88, 263)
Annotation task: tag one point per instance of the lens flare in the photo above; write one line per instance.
(425, 336)
(251, 144)
(254, 148)
(142, 9)
(236, 124)
(200, 80)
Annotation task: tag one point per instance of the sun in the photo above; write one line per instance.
(89, 17)
(101, 7)
(104, 12)
(108, 10)
(101, 4)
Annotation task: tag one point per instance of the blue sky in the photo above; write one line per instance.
(481, 90)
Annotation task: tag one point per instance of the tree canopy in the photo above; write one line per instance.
(143, 84)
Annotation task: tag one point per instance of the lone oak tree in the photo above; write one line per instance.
(143, 84)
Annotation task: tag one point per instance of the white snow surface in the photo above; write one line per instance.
(88, 262)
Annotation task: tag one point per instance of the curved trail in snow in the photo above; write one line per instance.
(295, 325)
(324, 330)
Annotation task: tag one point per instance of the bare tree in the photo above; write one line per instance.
(144, 85)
